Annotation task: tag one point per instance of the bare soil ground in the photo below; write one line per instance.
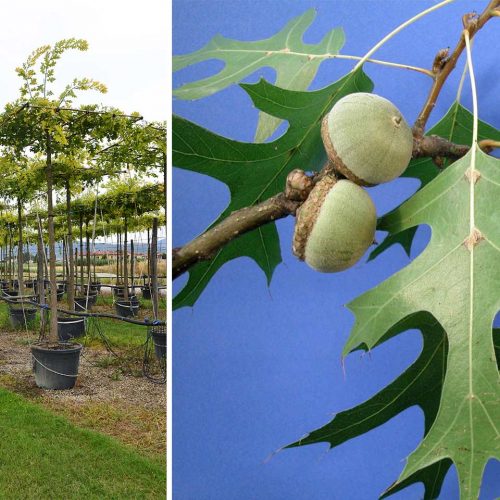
(113, 401)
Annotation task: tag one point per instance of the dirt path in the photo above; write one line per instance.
(130, 408)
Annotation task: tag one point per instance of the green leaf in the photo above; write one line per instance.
(419, 385)
(255, 172)
(404, 238)
(456, 126)
(456, 280)
(295, 62)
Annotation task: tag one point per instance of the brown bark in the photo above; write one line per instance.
(40, 277)
(81, 251)
(240, 222)
(69, 251)
(125, 260)
(154, 268)
(444, 63)
(53, 337)
(20, 259)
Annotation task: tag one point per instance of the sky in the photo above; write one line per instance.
(127, 50)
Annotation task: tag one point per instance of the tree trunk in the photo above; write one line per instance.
(165, 185)
(40, 278)
(52, 248)
(20, 260)
(149, 261)
(29, 258)
(120, 252)
(45, 261)
(10, 257)
(81, 252)
(76, 271)
(71, 263)
(1, 262)
(94, 278)
(117, 261)
(87, 247)
(64, 259)
(125, 261)
(154, 267)
(132, 256)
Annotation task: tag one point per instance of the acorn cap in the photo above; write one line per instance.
(367, 139)
(334, 226)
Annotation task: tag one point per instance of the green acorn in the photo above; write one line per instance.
(367, 139)
(334, 226)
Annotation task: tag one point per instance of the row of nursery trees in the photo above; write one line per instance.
(124, 207)
(71, 172)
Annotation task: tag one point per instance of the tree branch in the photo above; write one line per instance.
(298, 186)
(444, 64)
(205, 246)
(433, 146)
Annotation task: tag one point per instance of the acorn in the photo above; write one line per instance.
(334, 226)
(367, 139)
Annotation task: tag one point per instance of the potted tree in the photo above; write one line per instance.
(37, 124)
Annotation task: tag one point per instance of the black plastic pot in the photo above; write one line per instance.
(94, 289)
(70, 327)
(126, 308)
(56, 368)
(146, 292)
(92, 298)
(19, 317)
(120, 291)
(60, 295)
(82, 304)
(159, 336)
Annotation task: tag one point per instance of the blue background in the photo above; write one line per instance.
(256, 368)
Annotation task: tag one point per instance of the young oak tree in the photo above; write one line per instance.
(36, 125)
(448, 292)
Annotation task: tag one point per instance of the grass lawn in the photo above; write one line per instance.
(44, 456)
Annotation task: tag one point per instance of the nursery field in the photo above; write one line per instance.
(116, 413)
(82, 291)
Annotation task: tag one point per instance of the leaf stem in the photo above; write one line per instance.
(474, 92)
(385, 63)
(398, 29)
(461, 83)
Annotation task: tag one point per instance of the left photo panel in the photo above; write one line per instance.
(83, 250)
